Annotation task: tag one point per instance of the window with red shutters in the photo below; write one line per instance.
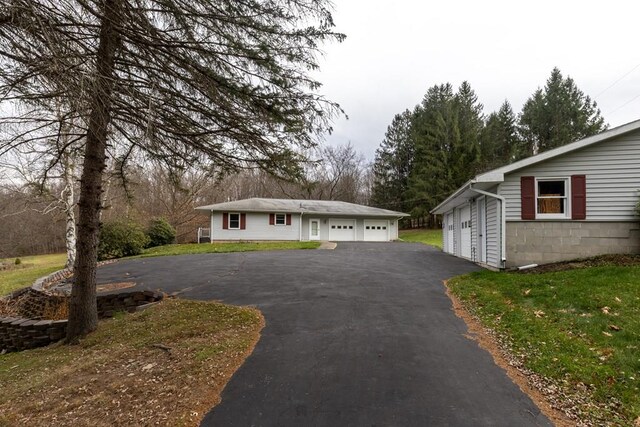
(225, 221)
(288, 219)
(243, 221)
(272, 219)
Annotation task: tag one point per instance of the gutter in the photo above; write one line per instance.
(503, 231)
(301, 226)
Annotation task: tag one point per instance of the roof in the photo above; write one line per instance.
(324, 207)
(486, 180)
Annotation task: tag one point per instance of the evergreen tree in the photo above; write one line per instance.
(470, 121)
(499, 139)
(557, 115)
(393, 163)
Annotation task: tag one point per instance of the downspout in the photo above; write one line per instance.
(210, 227)
(503, 231)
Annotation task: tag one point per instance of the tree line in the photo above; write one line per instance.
(430, 151)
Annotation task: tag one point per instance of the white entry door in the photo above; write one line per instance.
(314, 229)
(376, 230)
(465, 232)
(342, 230)
(449, 232)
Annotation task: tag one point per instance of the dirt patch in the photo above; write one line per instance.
(529, 383)
(108, 287)
(620, 260)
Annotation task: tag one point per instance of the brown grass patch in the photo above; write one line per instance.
(163, 366)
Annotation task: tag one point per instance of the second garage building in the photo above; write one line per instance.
(288, 219)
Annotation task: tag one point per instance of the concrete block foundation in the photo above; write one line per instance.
(543, 242)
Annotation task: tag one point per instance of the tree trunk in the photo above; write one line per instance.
(83, 312)
(68, 201)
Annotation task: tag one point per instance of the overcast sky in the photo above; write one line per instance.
(396, 49)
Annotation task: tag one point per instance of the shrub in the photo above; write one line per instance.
(18, 261)
(160, 233)
(121, 238)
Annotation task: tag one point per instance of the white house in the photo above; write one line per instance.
(574, 201)
(284, 219)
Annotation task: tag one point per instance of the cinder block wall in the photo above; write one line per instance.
(543, 242)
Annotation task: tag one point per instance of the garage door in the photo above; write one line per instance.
(376, 231)
(465, 232)
(341, 230)
(449, 230)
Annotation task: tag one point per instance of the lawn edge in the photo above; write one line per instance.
(485, 338)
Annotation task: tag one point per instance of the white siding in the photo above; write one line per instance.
(493, 232)
(612, 169)
(258, 228)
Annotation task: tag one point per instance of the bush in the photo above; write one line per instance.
(18, 261)
(160, 233)
(121, 238)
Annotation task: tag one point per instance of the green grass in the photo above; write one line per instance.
(423, 235)
(562, 325)
(30, 269)
(113, 374)
(205, 248)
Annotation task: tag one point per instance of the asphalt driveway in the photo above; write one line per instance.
(363, 335)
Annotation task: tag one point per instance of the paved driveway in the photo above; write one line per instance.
(363, 335)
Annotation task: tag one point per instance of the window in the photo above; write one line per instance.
(281, 219)
(551, 198)
(234, 221)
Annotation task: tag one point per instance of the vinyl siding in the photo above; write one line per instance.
(257, 228)
(612, 169)
(493, 232)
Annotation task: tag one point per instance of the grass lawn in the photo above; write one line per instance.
(205, 248)
(579, 328)
(423, 235)
(30, 269)
(166, 365)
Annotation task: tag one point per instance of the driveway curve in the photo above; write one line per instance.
(363, 335)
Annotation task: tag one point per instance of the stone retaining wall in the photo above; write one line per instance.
(17, 334)
(543, 242)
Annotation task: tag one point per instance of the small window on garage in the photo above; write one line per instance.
(384, 227)
(367, 227)
(351, 227)
(552, 198)
(281, 219)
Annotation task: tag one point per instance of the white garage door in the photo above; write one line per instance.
(465, 232)
(376, 231)
(341, 230)
(449, 230)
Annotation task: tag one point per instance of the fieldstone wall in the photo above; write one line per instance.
(22, 333)
(543, 242)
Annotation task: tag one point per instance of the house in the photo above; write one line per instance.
(284, 219)
(574, 201)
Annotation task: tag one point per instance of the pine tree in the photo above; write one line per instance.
(393, 163)
(499, 139)
(557, 115)
(469, 117)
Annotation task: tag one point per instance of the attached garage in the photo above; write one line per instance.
(376, 230)
(342, 230)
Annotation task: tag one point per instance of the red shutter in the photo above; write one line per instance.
(578, 197)
(243, 221)
(272, 219)
(225, 221)
(288, 219)
(528, 197)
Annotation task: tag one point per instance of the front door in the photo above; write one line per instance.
(314, 229)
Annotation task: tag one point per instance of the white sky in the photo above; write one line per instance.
(395, 50)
